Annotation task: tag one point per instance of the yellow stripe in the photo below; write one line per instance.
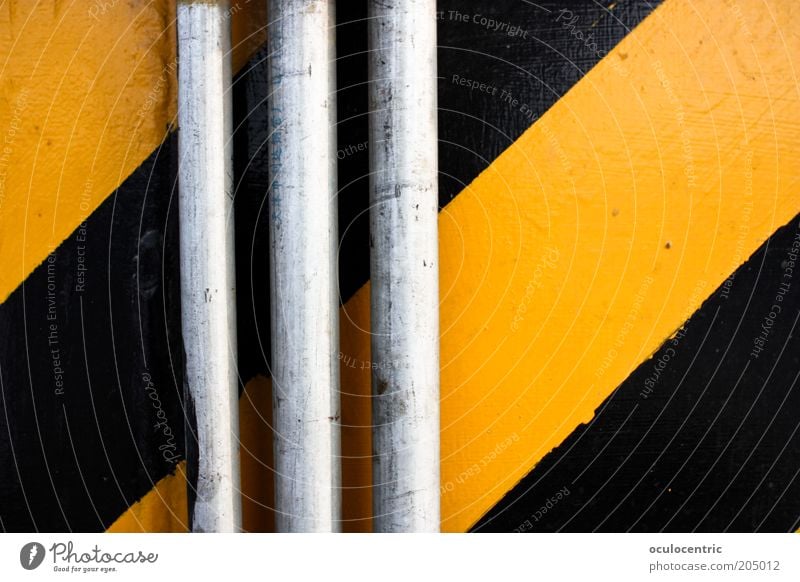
(157, 511)
(589, 241)
(248, 30)
(163, 509)
(604, 227)
(87, 93)
(255, 434)
(356, 414)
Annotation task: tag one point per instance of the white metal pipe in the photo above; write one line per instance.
(303, 265)
(404, 265)
(208, 292)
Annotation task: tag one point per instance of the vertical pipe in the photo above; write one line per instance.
(303, 268)
(404, 265)
(207, 258)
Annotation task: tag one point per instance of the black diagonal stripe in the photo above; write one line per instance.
(534, 51)
(704, 436)
(75, 461)
(503, 64)
(90, 416)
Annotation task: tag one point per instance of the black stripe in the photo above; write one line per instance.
(537, 64)
(704, 436)
(89, 358)
(520, 57)
(76, 461)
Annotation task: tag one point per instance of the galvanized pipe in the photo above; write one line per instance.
(208, 294)
(303, 265)
(404, 265)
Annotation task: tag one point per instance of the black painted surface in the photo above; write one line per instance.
(353, 150)
(536, 64)
(704, 436)
(527, 59)
(251, 184)
(75, 460)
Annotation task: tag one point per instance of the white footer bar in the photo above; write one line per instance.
(491, 557)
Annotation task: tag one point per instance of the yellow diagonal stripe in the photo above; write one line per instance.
(595, 235)
(163, 509)
(591, 239)
(87, 93)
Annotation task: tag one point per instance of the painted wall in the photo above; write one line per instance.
(618, 232)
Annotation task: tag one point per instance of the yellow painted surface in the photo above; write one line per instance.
(356, 414)
(595, 235)
(87, 93)
(248, 29)
(590, 240)
(163, 509)
(255, 434)
(155, 512)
